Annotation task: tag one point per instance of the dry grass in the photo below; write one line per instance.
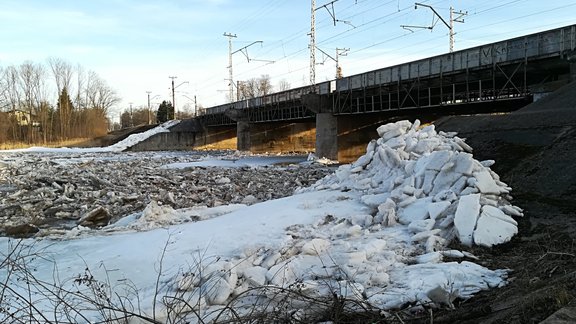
(21, 145)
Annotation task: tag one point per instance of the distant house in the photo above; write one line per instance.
(24, 118)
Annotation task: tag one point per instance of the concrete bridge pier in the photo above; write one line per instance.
(327, 136)
(243, 135)
(326, 125)
(242, 128)
(571, 58)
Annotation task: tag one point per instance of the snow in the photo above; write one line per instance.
(376, 231)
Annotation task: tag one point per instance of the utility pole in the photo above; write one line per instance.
(340, 52)
(313, 46)
(312, 34)
(230, 85)
(173, 97)
(452, 20)
(458, 18)
(149, 117)
(131, 117)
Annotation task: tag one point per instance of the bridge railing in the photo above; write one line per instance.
(556, 42)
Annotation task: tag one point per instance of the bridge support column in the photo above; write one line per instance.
(571, 58)
(326, 125)
(327, 136)
(243, 142)
(243, 135)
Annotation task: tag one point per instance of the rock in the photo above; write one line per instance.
(97, 217)
(21, 231)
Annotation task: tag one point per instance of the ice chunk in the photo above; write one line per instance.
(282, 274)
(379, 279)
(429, 176)
(421, 225)
(256, 276)
(375, 200)
(426, 145)
(315, 247)
(464, 163)
(492, 230)
(466, 217)
(432, 257)
(401, 125)
(452, 254)
(447, 195)
(364, 160)
(217, 290)
(424, 235)
(436, 209)
(510, 210)
(460, 142)
(438, 159)
(444, 180)
(459, 185)
(389, 157)
(396, 142)
(485, 183)
(375, 246)
(497, 213)
(387, 213)
(416, 211)
(487, 163)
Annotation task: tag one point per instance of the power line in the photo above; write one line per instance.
(362, 28)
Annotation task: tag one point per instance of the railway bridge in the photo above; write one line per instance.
(337, 118)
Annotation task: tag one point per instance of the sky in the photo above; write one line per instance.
(136, 45)
(376, 231)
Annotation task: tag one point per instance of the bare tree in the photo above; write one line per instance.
(79, 101)
(32, 85)
(255, 87)
(264, 85)
(283, 85)
(63, 73)
(28, 115)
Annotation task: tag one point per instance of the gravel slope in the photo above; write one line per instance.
(535, 153)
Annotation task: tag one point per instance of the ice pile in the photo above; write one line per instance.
(430, 181)
(139, 137)
(413, 192)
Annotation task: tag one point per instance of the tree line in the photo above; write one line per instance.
(258, 87)
(30, 114)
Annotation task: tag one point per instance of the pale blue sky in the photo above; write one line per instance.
(135, 45)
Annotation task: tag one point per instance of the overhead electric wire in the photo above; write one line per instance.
(373, 24)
